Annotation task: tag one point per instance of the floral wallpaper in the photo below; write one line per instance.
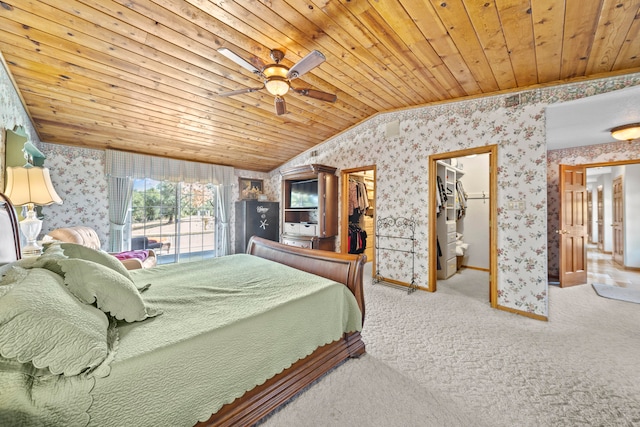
(402, 183)
(78, 176)
(524, 167)
(402, 176)
(12, 113)
(602, 153)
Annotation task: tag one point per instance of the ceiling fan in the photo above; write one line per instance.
(277, 77)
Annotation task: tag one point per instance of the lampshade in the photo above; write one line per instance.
(276, 83)
(30, 185)
(626, 132)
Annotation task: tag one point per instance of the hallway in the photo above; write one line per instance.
(602, 269)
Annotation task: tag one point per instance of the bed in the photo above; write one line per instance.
(185, 356)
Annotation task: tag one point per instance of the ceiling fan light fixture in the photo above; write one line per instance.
(276, 82)
(277, 86)
(626, 132)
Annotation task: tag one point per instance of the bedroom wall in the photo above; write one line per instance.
(402, 175)
(12, 113)
(631, 222)
(78, 177)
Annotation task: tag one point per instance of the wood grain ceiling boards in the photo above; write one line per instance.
(144, 75)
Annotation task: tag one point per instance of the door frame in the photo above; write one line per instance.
(344, 211)
(492, 150)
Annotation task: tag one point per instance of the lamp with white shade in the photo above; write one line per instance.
(30, 185)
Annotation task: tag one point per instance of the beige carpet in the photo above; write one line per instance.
(368, 392)
(448, 359)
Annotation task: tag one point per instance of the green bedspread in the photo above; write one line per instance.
(228, 324)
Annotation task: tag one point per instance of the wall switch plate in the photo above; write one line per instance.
(515, 205)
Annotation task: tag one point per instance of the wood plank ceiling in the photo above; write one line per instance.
(144, 75)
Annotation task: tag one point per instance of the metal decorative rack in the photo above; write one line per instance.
(389, 230)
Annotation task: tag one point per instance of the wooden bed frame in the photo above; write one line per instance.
(260, 401)
(257, 403)
(8, 217)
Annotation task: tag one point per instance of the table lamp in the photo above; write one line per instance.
(30, 185)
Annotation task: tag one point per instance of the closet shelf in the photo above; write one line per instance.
(458, 171)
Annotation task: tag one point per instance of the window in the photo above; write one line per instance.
(177, 220)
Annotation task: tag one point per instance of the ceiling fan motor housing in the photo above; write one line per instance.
(277, 55)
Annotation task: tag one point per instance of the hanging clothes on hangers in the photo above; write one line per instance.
(358, 200)
(357, 239)
(461, 200)
(441, 195)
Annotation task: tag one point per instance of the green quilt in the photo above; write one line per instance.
(228, 324)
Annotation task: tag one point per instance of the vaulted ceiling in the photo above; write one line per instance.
(145, 75)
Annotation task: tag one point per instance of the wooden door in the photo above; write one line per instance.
(618, 221)
(600, 219)
(573, 225)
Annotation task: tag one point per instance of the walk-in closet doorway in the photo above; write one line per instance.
(358, 213)
(463, 232)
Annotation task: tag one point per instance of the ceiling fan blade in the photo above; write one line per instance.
(241, 91)
(239, 60)
(316, 94)
(281, 106)
(306, 64)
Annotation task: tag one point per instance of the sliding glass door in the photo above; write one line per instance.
(176, 220)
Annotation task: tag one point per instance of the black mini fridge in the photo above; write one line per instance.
(257, 218)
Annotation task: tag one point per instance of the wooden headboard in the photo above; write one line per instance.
(9, 249)
(344, 268)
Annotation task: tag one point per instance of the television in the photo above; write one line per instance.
(304, 194)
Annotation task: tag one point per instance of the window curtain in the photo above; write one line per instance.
(223, 235)
(120, 193)
(139, 166)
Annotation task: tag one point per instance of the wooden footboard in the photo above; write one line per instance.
(346, 269)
